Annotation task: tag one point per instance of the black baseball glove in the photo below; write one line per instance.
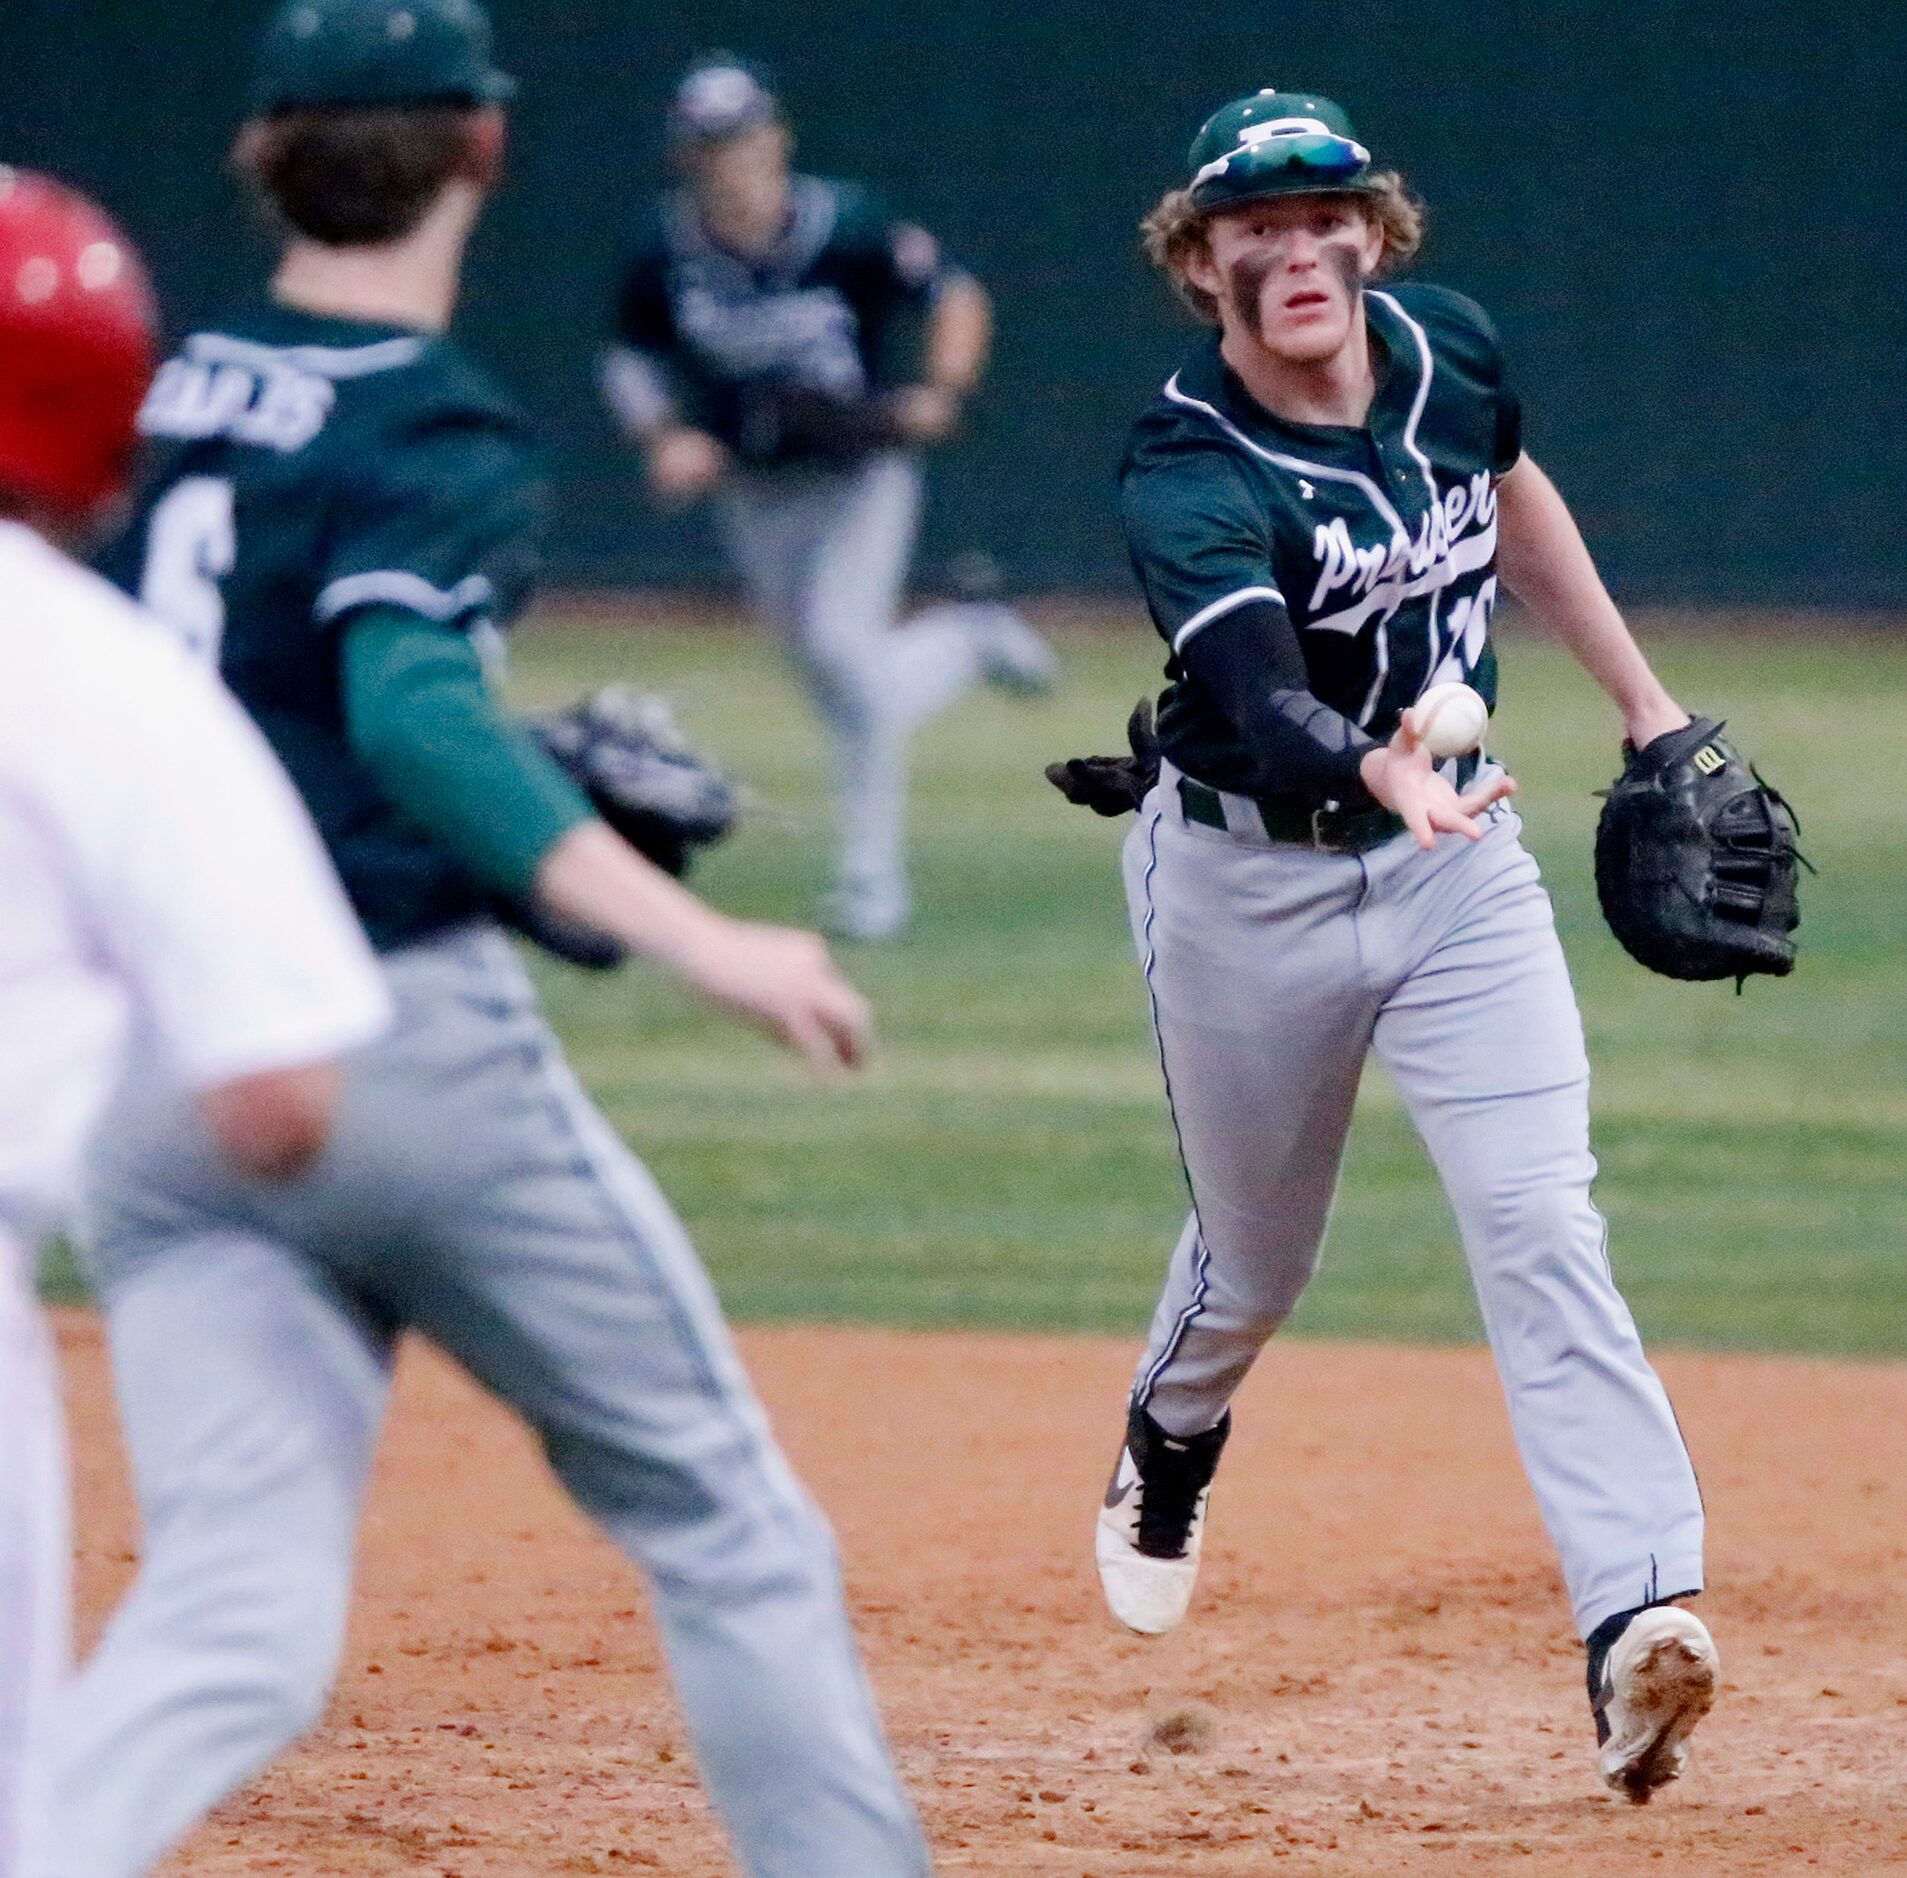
(623, 749)
(783, 418)
(1696, 863)
(1113, 785)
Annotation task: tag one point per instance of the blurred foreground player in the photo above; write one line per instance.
(342, 515)
(1317, 506)
(756, 360)
(157, 875)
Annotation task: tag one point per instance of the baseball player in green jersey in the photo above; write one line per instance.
(1318, 506)
(759, 359)
(341, 513)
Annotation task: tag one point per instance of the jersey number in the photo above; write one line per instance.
(191, 545)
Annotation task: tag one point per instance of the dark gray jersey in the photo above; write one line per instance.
(1376, 543)
(726, 338)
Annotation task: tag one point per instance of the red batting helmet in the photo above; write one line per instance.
(76, 335)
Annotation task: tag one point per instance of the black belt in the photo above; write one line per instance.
(1311, 824)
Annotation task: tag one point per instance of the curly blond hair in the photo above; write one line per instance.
(1174, 231)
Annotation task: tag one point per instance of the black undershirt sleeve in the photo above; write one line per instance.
(1509, 433)
(1249, 661)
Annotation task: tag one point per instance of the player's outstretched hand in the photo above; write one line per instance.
(783, 981)
(1402, 775)
(780, 980)
(685, 463)
(924, 413)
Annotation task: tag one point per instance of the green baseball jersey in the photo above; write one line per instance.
(303, 469)
(1375, 545)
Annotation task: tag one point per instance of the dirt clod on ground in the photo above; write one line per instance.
(1184, 1731)
(1379, 1629)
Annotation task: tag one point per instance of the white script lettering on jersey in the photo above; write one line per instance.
(1456, 536)
(275, 406)
(809, 336)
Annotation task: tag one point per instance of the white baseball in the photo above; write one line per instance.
(1449, 719)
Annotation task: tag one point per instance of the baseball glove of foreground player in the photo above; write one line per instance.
(1113, 785)
(624, 750)
(1696, 863)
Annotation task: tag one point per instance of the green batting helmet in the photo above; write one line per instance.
(1275, 143)
(340, 53)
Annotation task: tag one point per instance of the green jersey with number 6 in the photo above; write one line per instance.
(303, 468)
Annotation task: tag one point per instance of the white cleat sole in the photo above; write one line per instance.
(1663, 1674)
(1147, 1595)
(1013, 655)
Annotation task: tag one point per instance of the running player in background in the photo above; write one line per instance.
(157, 874)
(756, 360)
(341, 512)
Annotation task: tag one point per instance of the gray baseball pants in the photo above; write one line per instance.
(824, 555)
(472, 1193)
(1274, 969)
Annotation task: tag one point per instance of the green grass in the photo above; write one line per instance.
(1009, 1162)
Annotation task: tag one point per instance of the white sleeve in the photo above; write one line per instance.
(215, 899)
(636, 389)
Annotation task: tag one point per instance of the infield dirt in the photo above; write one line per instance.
(1378, 1677)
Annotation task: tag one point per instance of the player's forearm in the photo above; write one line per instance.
(959, 335)
(1546, 563)
(637, 389)
(593, 876)
(1250, 662)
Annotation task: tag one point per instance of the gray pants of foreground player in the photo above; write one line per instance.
(1273, 971)
(824, 555)
(472, 1193)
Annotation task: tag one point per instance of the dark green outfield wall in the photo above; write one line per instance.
(1688, 218)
